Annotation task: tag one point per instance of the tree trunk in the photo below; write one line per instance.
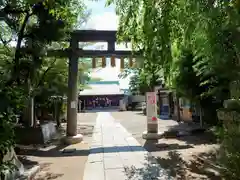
(18, 48)
(178, 109)
(28, 115)
(57, 113)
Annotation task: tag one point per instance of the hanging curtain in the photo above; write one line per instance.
(103, 62)
(93, 62)
(113, 64)
(122, 63)
(130, 62)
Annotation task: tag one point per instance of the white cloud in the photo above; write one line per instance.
(104, 21)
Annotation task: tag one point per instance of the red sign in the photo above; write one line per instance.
(154, 118)
(151, 99)
(151, 107)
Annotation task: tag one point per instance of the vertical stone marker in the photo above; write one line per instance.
(152, 120)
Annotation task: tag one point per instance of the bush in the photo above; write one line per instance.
(232, 104)
(229, 157)
(9, 102)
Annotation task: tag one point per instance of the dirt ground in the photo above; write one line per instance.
(180, 156)
(54, 163)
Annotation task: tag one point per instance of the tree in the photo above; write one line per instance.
(35, 24)
(141, 82)
(196, 44)
(158, 27)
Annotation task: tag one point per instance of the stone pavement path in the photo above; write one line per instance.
(116, 155)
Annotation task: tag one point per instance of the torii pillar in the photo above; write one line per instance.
(72, 137)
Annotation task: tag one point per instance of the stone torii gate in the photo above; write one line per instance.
(73, 53)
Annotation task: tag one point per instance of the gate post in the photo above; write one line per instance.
(72, 106)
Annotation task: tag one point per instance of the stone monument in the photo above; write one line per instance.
(230, 114)
(152, 120)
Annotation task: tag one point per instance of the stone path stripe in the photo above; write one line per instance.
(116, 155)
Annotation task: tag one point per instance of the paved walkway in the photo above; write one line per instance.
(116, 155)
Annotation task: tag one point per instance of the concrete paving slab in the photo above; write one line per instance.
(118, 151)
(127, 155)
(116, 174)
(111, 155)
(94, 171)
(113, 163)
(95, 158)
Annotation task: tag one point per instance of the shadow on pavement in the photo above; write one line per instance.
(58, 151)
(190, 135)
(44, 169)
(178, 168)
(27, 162)
(102, 110)
(44, 173)
(150, 169)
(171, 167)
(154, 146)
(140, 113)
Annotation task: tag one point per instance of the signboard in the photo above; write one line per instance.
(122, 105)
(164, 108)
(73, 104)
(151, 108)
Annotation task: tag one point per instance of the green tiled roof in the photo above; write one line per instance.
(104, 82)
(102, 89)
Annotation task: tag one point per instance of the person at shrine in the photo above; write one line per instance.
(102, 102)
(107, 102)
(97, 102)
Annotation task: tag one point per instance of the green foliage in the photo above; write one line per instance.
(24, 72)
(52, 79)
(229, 156)
(196, 44)
(159, 28)
(141, 82)
(186, 81)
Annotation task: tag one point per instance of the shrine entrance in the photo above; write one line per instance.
(99, 102)
(74, 53)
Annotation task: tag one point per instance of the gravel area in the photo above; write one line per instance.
(58, 165)
(178, 154)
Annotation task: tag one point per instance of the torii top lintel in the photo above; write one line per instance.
(94, 36)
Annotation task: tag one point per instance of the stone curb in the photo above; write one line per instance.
(30, 174)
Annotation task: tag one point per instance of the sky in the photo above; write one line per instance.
(105, 18)
(102, 17)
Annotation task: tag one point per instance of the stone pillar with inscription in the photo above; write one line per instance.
(230, 114)
(72, 136)
(152, 120)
